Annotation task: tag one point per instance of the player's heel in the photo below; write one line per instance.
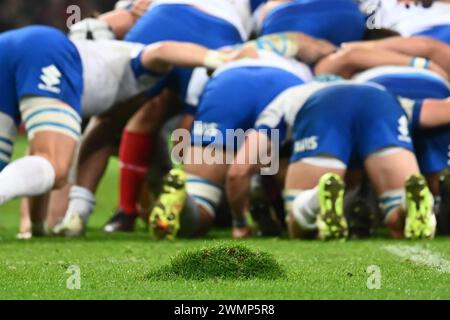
(331, 222)
(164, 219)
(73, 226)
(420, 219)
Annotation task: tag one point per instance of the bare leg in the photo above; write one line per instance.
(58, 149)
(215, 174)
(390, 173)
(301, 177)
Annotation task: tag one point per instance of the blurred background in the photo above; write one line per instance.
(18, 13)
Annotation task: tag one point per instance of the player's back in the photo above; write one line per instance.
(336, 21)
(108, 74)
(238, 13)
(38, 61)
(408, 82)
(16, 43)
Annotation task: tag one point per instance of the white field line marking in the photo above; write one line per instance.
(421, 256)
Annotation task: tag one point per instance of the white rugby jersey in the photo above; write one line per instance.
(237, 12)
(200, 77)
(405, 20)
(285, 107)
(108, 76)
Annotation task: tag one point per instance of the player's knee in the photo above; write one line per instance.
(8, 132)
(149, 118)
(205, 194)
(238, 172)
(61, 169)
(391, 204)
(49, 115)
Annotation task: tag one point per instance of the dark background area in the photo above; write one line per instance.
(19, 13)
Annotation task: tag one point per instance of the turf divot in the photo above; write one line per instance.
(223, 261)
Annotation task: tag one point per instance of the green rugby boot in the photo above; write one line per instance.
(420, 219)
(165, 217)
(331, 221)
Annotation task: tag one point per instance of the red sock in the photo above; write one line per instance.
(135, 153)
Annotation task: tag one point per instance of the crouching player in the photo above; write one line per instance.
(335, 127)
(212, 23)
(423, 83)
(59, 70)
(232, 100)
(42, 85)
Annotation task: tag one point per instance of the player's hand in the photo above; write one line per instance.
(91, 29)
(246, 52)
(320, 49)
(242, 233)
(140, 7)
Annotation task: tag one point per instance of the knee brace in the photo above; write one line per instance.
(390, 201)
(46, 114)
(8, 132)
(204, 193)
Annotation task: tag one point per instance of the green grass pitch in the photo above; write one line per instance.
(118, 267)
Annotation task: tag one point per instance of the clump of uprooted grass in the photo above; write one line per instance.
(223, 261)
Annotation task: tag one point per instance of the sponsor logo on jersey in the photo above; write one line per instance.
(403, 129)
(307, 144)
(51, 79)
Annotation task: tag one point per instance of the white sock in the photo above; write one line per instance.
(82, 202)
(305, 208)
(27, 177)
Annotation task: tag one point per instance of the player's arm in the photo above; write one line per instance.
(293, 45)
(122, 20)
(111, 25)
(435, 50)
(435, 113)
(428, 113)
(257, 152)
(246, 164)
(161, 57)
(349, 61)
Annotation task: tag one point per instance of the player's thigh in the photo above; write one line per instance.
(57, 148)
(196, 165)
(151, 115)
(304, 176)
(389, 169)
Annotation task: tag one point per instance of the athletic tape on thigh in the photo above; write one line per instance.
(204, 193)
(325, 162)
(390, 201)
(387, 152)
(43, 114)
(8, 132)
